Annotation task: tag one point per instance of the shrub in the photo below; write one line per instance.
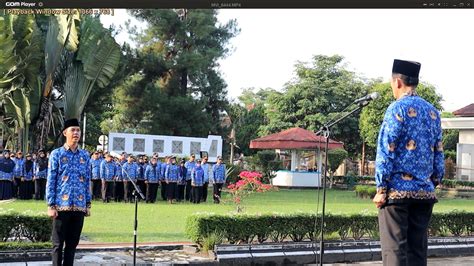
(25, 245)
(303, 226)
(365, 191)
(17, 226)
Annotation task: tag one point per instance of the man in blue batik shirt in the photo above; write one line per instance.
(67, 193)
(107, 176)
(189, 168)
(41, 172)
(409, 165)
(218, 176)
(95, 175)
(129, 170)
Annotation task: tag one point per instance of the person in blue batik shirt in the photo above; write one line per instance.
(171, 179)
(129, 170)
(107, 177)
(26, 183)
(41, 172)
(95, 175)
(6, 176)
(181, 180)
(68, 193)
(207, 169)
(141, 174)
(152, 176)
(409, 165)
(197, 181)
(163, 167)
(118, 184)
(190, 164)
(18, 173)
(218, 175)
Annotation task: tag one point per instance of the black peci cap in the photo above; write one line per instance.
(71, 123)
(407, 68)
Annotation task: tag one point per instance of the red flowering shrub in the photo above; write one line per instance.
(249, 183)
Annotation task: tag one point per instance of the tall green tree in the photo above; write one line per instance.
(177, 74)
(321, 91)
(20, 82)
(248, 115)
(372, 115)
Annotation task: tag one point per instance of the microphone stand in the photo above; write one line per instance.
(135, 194)
(325, 130)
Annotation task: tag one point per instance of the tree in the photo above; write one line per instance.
(372, 115)
(319, 93)
(247, 119)
(450, 139)
(20, 82)
(267, 163)
(178, 59)
(335, 158)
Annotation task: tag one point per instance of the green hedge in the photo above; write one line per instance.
(348, 180)
(247, 228)
(18, 226)
(450, 183)
(25, 245)
(365, 191)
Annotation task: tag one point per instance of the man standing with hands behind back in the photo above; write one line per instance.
(409, 165)
(67, 193)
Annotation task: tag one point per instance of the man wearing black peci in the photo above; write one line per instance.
(67, 193)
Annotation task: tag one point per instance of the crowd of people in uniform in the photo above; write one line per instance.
(23, 177)
(188, 180)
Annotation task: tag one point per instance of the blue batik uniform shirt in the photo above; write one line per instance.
(6, 169)
(189, 166)
(205, 167)
(19, 169)
(218, 173)
(67, 185)
(95, 168)
(41, 167)
(131, 169)
(107, 170)
(172, 173)
(152, 173)
(197, 176)
(410, 160)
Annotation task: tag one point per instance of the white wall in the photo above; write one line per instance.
(120, 142)
(466, 136)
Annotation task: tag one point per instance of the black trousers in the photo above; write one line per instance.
(204, 192)
(107, 190)
(404, 233)
(67, 228)
(16, 186)
(171, 190)
(217, 192)
(141, 184)
(181, 188)
(189, 196)
(118, 191)
(40, 188)
(151, 189)
(197, 194)
(163, 190)
(96, 188)
(26, 190)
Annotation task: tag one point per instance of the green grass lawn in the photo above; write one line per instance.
(161, 222)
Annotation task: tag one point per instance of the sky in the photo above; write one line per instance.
(272, 41)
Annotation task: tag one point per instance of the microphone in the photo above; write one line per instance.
(366, 99)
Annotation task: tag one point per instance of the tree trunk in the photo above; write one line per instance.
(184, 82)
(42, 124)
(362, 164)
